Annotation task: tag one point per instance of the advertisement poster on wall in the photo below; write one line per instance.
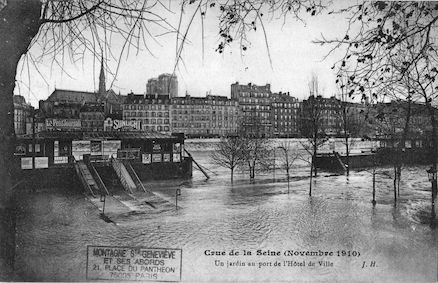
(146, 158)
(156, 157)
(79, 148)
(96, 147)
(176, 157)
(110, 148)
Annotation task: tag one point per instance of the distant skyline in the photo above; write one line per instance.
(294, 58)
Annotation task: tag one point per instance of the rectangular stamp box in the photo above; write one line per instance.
(133, 263)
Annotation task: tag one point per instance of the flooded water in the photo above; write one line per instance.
(54, 228)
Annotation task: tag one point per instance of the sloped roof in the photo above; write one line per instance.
(73, 96)
(84, 96)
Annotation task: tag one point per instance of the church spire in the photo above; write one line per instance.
(102, 86)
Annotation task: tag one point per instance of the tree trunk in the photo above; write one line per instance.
(347, 155)
(232, 174)
(315, 150)
(401, 147)
(395, 184)
(344, 117)
(311, 175)
(433, 154)
(19, 25)
(374, 184)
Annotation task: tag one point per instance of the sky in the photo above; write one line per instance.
(294, 59)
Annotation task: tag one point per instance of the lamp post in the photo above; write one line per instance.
(373, 150)
(274, 162)
(177, 194)
(287, 165)
(103, 199)
(432, 174)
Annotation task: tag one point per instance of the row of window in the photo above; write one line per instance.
(286, 105)
(156, 128)
(256, 100)
(153, 121)
(285, 123)
(129, 114)
(284, 117)
(253, 94)
(265, 115)
(286, 110)
(256, 107)
(145, 107)
(191, 125)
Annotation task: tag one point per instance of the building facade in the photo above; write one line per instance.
(205, 116)
(92, 116)
(22, 112)
(325, 112)
(165, 84)
(191, 116)
(255, 104)
(153, 111)
(285, 115)
(225, 115)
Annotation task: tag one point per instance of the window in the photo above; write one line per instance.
(37, 147)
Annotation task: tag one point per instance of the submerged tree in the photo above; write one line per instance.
(287, 157)
(256, 146)
(351, 117)
(228, 153)
(312, 124)
(377, 33)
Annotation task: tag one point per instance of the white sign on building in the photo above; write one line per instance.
(65, 124)
(110, 124)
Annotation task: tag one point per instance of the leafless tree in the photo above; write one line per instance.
(376, 34)
(351, 117)
(311, 122)
(256, 147)
(228, 153)
(287, 158)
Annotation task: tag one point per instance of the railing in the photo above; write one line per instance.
(82, 178)
(196, 163)
(97, 178)
(134, 177)
(118, 168)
